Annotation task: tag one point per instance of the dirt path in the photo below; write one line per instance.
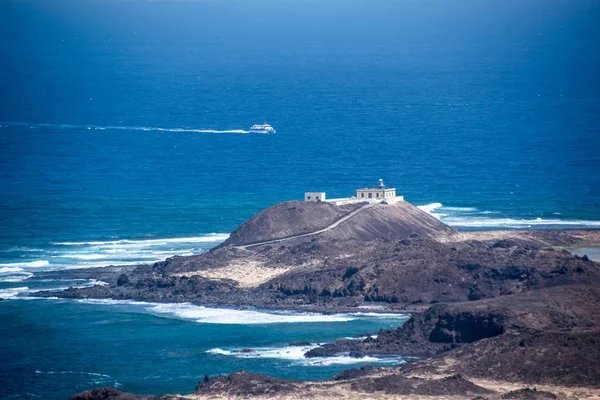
(328, 228)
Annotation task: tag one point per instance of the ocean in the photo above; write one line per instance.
(124, 139)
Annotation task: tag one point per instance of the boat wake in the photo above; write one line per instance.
(118, 127)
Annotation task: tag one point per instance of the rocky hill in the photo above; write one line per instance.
(508, 306)
(288, 219)
(293, 218)
(390, 222)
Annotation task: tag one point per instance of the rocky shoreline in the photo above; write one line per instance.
(509, 306)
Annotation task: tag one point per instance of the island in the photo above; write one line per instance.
(494, 314)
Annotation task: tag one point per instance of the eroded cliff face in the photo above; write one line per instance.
(418, 270)
(547, 336)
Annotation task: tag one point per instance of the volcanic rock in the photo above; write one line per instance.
(454, 385)
(244, 383)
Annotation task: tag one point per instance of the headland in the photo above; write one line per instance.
(492, 313)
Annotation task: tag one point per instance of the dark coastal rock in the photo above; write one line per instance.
(304, 344)
(355, 373)
(529, 394)
(106, 274)
(158, 288)
(105, 394)
(557, 357)
(454, 385)
(429, 272)
(244, 383)
(247, 351)
(444, 327)
(110, 393)
(122, 280)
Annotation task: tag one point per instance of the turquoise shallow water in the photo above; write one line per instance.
(53, 348)
(122, 141)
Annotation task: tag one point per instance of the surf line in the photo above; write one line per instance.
(118, 127)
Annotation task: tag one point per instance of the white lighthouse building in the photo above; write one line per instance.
(379, 194)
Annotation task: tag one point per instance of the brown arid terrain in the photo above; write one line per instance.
(494, 315)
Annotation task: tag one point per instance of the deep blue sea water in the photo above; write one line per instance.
(122, 140)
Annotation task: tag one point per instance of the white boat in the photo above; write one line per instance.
(262, 128)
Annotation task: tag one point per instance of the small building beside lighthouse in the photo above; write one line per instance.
(314, 196)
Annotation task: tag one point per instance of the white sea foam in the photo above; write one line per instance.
(210, 315)
(428, 208)
(93, 282)
(296, 354)
(39, 263)
(469, 217)
(21, 250)
(114, 302)
(284, 353)
(6, 270)
(123, 128)
(373, 307)
(25, 292)
(325, 361)
(380, 315)
(85, 256)
(519, 223)
(361, 337)
(16, 278)
(213, 237)
(10, 293)
(91, 254)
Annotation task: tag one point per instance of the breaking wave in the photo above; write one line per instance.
(120, 128)
(13, 274)
(39, 263)
(89, 254)
(469, 217)
(28, 293)
(212, 237)
(211, 315)
(296, 355)
(10, 293)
